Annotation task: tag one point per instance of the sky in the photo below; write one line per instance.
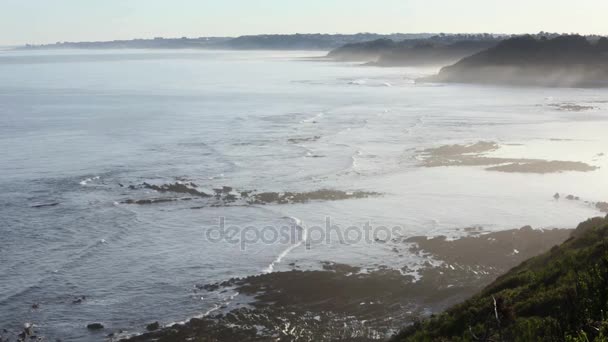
(50, 21)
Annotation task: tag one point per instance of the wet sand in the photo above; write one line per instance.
(342, 302)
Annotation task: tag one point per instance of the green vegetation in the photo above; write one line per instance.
(564, 61)
(436, 50)
(561, 295)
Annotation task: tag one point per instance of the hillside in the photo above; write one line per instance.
(436, 50)
(250, 42)
(561, 295)
(564, 61)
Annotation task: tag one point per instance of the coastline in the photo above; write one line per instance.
(373, 304)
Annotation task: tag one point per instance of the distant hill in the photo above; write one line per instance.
(563, 61)
(254, 42)
(561, 295)
(309, 41)
(436, 50)
(156, 43)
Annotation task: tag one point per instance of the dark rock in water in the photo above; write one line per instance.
(28, 329)
(35, 306)
(602, 206)
(208, 287)
(95, 326)
(571, 107)
(570, 197)
(149, 201)
(227, 195)
(177, 188)
(556, 196)
(303, 197)
(302, 140)
(79, 300)
(153, 326)
(45, 205)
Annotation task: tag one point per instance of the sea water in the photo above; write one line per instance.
(77, 128)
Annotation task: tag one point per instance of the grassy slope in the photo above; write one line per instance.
(558, 296)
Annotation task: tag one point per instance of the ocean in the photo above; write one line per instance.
(94, 144)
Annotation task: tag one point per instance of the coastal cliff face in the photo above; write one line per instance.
(561, 295)
(565, 61)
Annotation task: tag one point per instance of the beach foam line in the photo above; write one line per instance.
(88, 180)
(216, 307)
(284, 253)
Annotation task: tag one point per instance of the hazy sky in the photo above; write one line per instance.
(48, 21)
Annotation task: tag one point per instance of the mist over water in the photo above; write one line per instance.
(76, 125)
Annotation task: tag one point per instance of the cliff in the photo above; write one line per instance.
(564, 61)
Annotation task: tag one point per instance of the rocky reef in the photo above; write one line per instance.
(227, 195)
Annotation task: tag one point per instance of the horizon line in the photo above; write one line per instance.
(302, 33)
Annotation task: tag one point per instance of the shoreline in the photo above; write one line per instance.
(374, 305)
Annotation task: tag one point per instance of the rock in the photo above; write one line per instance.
(45, 205)
(95, 326)
(556, 196)
(570, 197)
(79, 300)
(527, 229)
(153, 326)
(176, 188)
(208, 287)
(28, 329)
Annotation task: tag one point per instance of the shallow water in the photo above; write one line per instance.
(76, 124)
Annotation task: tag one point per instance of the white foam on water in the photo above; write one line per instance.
(288, 250)
(358, 82)
(88, 180)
